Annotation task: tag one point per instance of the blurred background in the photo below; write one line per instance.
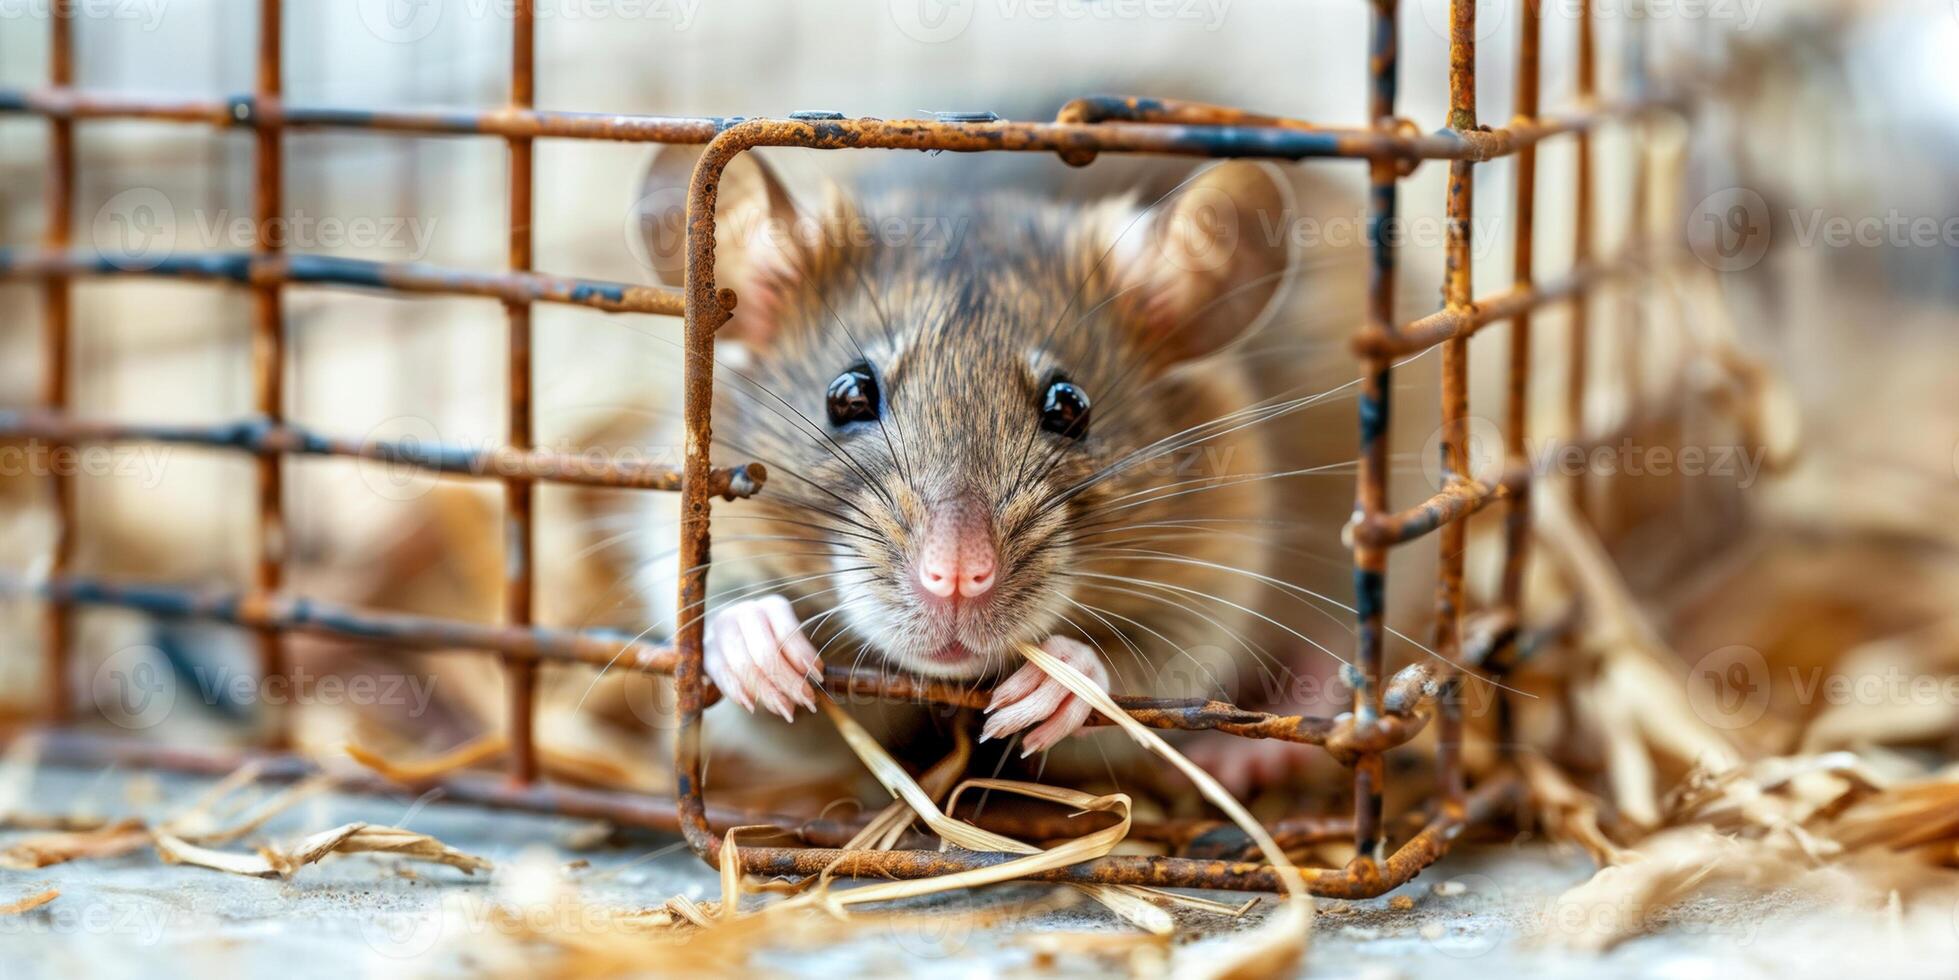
(1810, 194)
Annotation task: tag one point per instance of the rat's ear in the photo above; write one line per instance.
(1209, 263)
(755, 223)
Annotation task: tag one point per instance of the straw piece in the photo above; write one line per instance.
(1088, 847)
(350, 838)
(412, 772)
(1279, 944)
(30, 903)
(42, 850)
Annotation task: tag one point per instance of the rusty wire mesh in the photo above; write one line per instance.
(1387, 711)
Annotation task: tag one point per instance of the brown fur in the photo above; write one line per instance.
(965, 315)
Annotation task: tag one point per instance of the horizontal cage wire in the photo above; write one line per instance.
(1388, 711)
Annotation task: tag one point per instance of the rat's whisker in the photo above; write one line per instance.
(1199, 593)
(1255, 650)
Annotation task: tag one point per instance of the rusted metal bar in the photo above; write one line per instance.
(268, 347)
(1197, 837)
(1458, 322)
(520, 538)
(1578, 354)
(1386, 712)
(706, 311)
(283, 612)
(1409, 693)
(1639, 225)
(1454, 502)
(1281, 139)
(500, 462)
(1516, 415)
(63, 102)
(1457, 295)
(59, 200)
(266, 270)
(1363, 878)
(1371, 480)
(67, 748)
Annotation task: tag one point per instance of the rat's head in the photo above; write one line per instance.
(959, 400)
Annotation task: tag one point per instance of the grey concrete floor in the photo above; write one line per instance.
(381, 916)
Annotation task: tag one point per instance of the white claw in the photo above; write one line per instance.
(1031, 698)
(757, 655)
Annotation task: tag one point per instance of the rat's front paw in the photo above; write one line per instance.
(1030, 696)
(755, 651)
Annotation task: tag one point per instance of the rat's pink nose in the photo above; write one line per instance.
(956, 559)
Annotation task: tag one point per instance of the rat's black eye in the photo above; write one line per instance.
(1064, 409)
(853, 396)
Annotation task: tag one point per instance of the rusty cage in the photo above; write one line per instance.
(1388, 711)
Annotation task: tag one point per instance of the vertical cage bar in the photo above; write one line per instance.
(268, 338)
(1581, 255)
(707, 310)
(1516, 417)
(1453, 535)
(1371, 483)
(60, 205)
(520, 675)
(1638, 227)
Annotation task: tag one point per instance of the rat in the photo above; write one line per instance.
(989, 420)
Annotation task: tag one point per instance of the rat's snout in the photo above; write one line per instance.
(956, 556)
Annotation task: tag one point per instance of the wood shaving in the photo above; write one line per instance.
(351, 838)
(419, 771)
(30, 903)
